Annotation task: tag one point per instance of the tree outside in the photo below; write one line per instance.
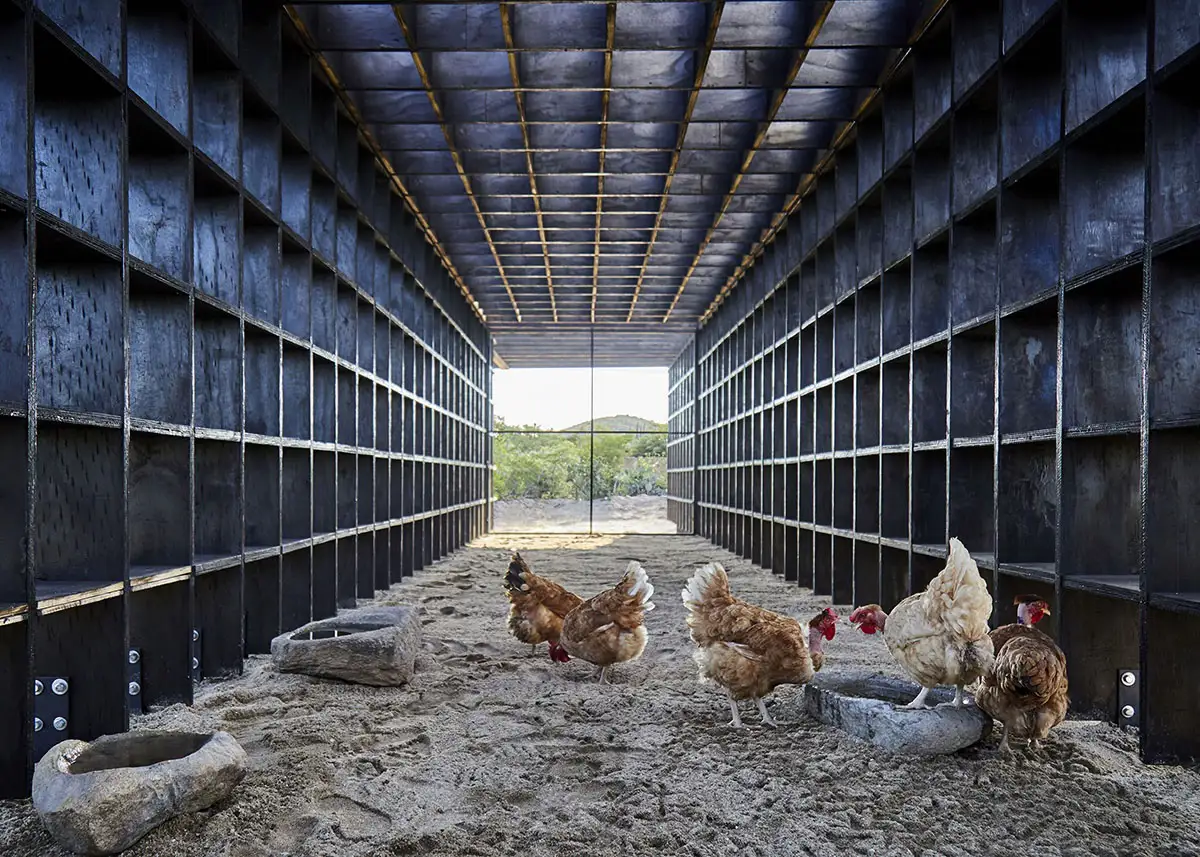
(532, 464)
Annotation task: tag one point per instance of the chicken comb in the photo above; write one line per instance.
(827, 613)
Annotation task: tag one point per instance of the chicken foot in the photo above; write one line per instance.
(1031, 744)
(767, 720)
(917, 704)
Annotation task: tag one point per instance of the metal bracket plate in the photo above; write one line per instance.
(51, 712)
(134, 676)
(1129, 712)
(196, 651)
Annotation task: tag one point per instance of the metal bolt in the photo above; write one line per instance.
(134, 688)
(134, 656)
(37, 687)
(1127, 712)
(195, 635)
(37, 724)
(60, 723)
(1128, 679)
(60, 686)
(195, 663)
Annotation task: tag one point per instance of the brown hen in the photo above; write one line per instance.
(609, 628)
(1026, 688)
(538, 607)
(748, 650)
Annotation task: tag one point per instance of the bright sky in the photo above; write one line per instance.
(558, 398)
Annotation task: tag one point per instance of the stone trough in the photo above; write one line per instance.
(102, 797)
(371, 645)
(863, 705)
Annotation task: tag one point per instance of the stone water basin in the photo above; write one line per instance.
(101, 797)
(862, 704)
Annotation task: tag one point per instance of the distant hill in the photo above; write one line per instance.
(622, 422)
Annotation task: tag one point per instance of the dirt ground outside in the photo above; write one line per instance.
(643, 514)
(492, 751)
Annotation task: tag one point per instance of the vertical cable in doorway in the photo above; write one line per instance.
(591, 428)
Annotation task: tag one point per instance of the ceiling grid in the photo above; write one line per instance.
(610, 30)
(518, 95)
(609, 164)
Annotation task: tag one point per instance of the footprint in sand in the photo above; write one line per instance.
(353, 820)
(291, 833)
(439, 647)
(451, 610)
(429, 598)
(488, 648)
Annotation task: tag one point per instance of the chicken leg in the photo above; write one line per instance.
(958, 702)
(767, 720)
(533, 650)
(736, 722)
(604, 675)
(918, 703)
(1005, 748)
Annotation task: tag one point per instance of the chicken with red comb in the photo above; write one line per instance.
(747, 650)
(939, 636)
(1026, 688)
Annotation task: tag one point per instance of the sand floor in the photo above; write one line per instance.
(491, 751)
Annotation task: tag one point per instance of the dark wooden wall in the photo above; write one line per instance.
(981, 322)
(237, 390)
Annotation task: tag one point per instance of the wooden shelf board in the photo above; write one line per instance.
(55, 595)
(149, 576)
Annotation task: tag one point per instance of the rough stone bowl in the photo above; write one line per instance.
(371, 645)
(102, 797)
(863, 704)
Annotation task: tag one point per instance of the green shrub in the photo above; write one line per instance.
(543, 466)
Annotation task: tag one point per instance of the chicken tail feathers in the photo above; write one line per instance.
(709, 581)
(960, 596)
(637, 585)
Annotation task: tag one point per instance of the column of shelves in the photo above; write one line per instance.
(197, 248)
(993, 292)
